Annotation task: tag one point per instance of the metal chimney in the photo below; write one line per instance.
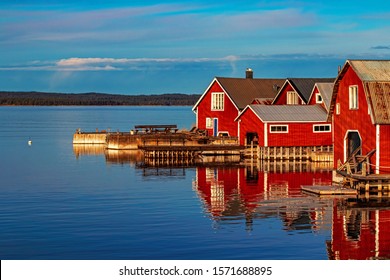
(249, 73)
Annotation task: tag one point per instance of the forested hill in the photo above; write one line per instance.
(85, 99)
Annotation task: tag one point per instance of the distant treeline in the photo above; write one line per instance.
(99, 99)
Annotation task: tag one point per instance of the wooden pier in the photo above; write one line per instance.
(190, 155)
(312, 153)
(329, 190)
(165, 145)
(356, 173)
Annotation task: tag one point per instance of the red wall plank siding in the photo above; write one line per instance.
(312, 100)
(299, 134)
(225, 118)
(352, 120)
(251, 123)
(282, 97)
(384, 149)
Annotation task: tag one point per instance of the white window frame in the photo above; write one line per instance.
(221, 133)
(209, 123)
(271, 127)
(322, 125)
(319, 99)
(353, 97)
(337, 108)
(292, 98)
(217, 101)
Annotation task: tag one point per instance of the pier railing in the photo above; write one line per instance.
(312, 153)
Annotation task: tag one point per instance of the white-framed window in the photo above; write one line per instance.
(318, 98)
(318, 128)
(223, 133)
(353, 98)
(292, 98)
(337, 108)
(209, 122)
(278, 128)
(217, 101)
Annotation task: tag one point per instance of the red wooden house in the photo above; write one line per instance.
(225, 98)
(284, 125)
(297, 91)
(360, 111)
(321, 94)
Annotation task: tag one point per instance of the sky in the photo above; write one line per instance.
(154, 47)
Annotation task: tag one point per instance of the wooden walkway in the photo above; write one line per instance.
(312, 153)
(329, 190)
(357, 174)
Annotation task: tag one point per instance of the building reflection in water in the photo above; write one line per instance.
(244, 193)
(359, 228)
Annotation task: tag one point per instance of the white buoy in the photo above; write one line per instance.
(29, 142)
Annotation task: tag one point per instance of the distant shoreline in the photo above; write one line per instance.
(33, 98)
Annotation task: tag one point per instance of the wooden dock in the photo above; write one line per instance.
(166, 145)
(357, 175)
(311, 153)
(329, 190)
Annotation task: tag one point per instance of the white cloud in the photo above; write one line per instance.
(111, 64)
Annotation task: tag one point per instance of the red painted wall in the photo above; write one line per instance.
(356, 120)
(282, 97)
(312, 100)
(251, 123)
(299, 134)
(384, 149)
(225, 117)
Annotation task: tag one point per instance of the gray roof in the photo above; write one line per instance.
(244, 91)
(304, 86)
(378, 94)
(290, 113)
(371, 70)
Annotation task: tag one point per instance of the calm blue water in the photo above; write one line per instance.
(58, 204)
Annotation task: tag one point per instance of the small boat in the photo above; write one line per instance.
(29, 142)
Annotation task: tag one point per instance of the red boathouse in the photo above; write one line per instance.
(284, 126)
(360, 112)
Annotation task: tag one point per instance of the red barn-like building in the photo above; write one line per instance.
(285, 125)
(297, 91)
(321, 94)
(360, 111)
(225, 98)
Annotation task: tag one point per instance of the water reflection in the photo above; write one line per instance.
(249, 195)
(131, 157)
(242, 193)
(360, 229)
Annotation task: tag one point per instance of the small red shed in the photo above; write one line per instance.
(284, 125)
(360, 111)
